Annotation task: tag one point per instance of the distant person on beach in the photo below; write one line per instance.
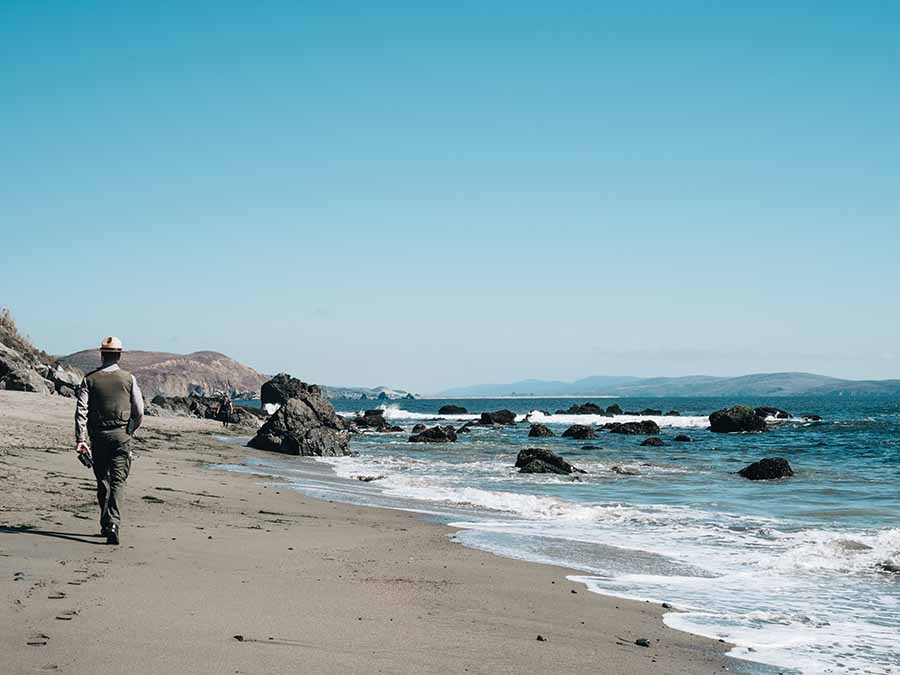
(225, 410)
(109, 410)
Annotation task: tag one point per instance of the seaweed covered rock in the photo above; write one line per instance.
(305, 424)
(580, 432)
(540, 460)
(768, 468)
(539, 431)
(739, 418)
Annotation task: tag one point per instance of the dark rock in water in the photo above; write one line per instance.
(777, 413)
(889, 566)
(654, 442)
(590, 447)
(682, 438)
(539, 460)
(25, 379)
(393, 429)
(809, 417)
(770, 468)
(739, 418)
(582, 409)
(378, 412)
(614, 409)
(539, 430)
(373, 420)
(410, 397)
(306, 424)
(498, 417)
(419, 428)
(368, 479)
(452, 410)
(467, 427)
(651, 412)
(436, 434)
(633, 428)
(625, 471)
(282, 388)
(673, 413)
(579, 432)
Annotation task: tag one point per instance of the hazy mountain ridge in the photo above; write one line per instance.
(759, 384)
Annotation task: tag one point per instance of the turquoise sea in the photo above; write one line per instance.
(789, 571)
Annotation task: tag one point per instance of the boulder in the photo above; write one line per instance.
(769, 468)
(580, 432)
(539, 430)
(452, 410)
(281, 388)
(777, 413)
(539, 460)
(25, 379)
(614, 409)
(739, 418)
(435, 434)
(498, 417)
(419, 428)
(653, 442)
(682, 438)
(651, 412)
(306, 424)
(633, 428)
(583, 409)
(373, 420)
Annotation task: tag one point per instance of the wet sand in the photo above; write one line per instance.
(218, 573)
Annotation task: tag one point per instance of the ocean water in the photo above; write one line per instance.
(788, 571)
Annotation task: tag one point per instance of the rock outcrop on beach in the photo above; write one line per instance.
(769, 468)
(204, 408)
(540, 460)
(305, 424)
(580, 432)
(23, 367)
(436, 434)
(498, 417)
(539, 431)
(452, 410)
(633, 428)
(739, 418)
(204, 373)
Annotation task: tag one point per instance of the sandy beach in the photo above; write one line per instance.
(219, 573)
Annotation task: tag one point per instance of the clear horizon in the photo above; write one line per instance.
(425, 198)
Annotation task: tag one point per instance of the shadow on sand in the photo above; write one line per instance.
(72, 536)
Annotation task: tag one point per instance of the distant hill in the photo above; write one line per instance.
(762, 384)
(361, 393)
(168, 374)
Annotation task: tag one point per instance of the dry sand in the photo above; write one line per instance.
(310, 586)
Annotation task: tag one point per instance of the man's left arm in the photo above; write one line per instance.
(137, 406)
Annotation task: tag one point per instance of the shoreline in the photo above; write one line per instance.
(208, 555)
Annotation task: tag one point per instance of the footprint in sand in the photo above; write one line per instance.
(38, 640)
(68, 615)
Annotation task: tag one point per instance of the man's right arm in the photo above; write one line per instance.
(81, 414)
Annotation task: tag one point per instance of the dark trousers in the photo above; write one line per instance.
(112, 462)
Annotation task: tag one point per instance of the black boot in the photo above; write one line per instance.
(112, 534)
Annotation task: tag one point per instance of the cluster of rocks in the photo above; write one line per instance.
(204, 407)
(615, 409)
(744, 419)
(22, 372)
(304, 424)
(373, 420)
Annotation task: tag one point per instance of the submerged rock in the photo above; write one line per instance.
(614, 409)
(769, 468)
(579, 432)
(583, 409)
(540, 460)
(419, 428)
(673, 413)
(452, 410)
(651, 412)
(539, 430)
(633, 428)
(739, 418)
(682, 438)
(625, 471)
(436, 434)
(777, 413)
(653, 442)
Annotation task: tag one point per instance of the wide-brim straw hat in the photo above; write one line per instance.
(111, 344)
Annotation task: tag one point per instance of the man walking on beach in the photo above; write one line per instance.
(110, 408)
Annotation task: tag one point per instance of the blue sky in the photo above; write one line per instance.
(394, 193)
